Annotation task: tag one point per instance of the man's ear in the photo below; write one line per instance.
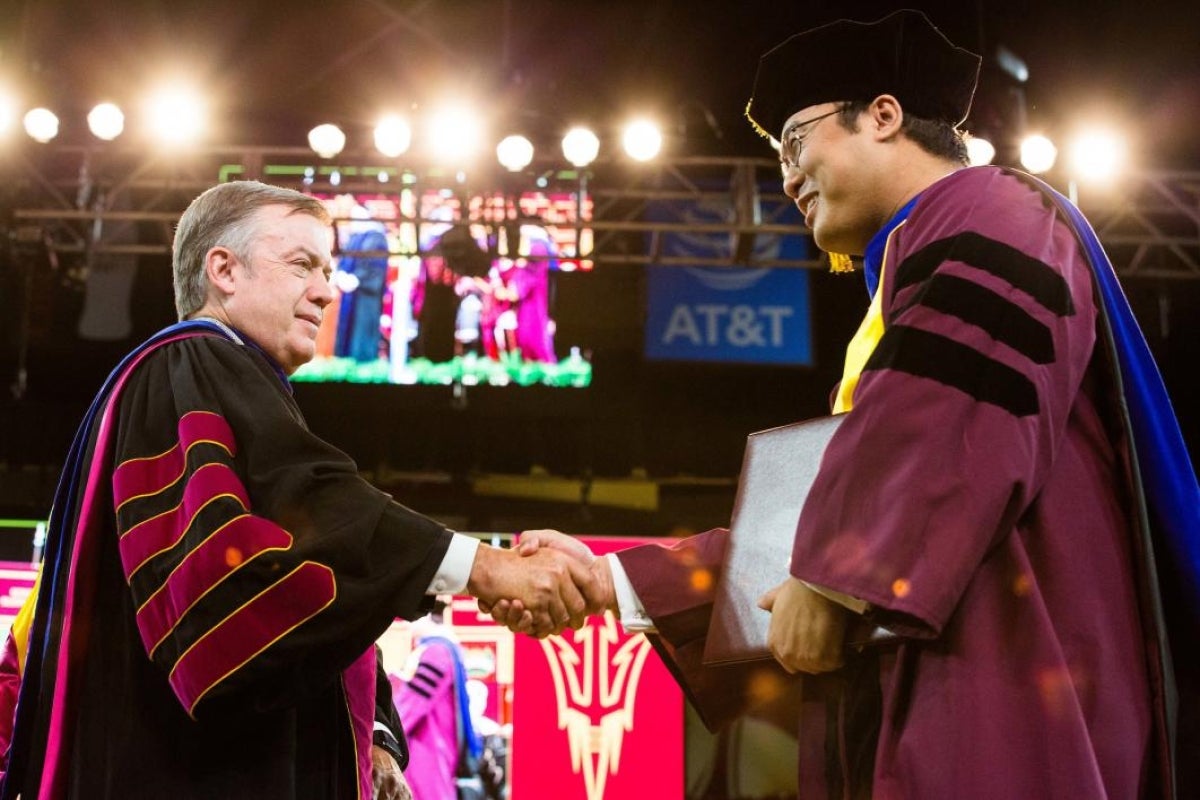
(887, 117)
(219, 265)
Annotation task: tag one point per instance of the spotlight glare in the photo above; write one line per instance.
(980, 151)
(41, 124)
(1038, 154)
(176, 115)
(580, 146)
(326, 140)
(642, 140)
(454, 134)
(1097, 155)
(514, 153)
(106, 121)
(393, 135)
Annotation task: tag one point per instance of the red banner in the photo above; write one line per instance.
(595, 714)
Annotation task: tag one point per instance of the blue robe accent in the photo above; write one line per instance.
(358, 331)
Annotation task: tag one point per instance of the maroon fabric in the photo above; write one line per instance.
(359, 683)
(148, 475)
(151, 537)
(677, 585)
(997, 539)
(977, 498)
(243, 538)
(274, 580)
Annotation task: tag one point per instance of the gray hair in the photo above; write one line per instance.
(225, 215)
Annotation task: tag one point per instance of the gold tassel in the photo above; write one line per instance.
(840, 262)
(754, 124)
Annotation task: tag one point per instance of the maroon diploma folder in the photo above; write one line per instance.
(777, 472)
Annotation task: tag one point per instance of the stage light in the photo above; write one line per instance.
(106, 121)
(393, 135)
(514, 153)
(455, 134)
(580, 146)
(1097, 155)
(326, 140)
(1038, 154)
(41, 124)
(642, 140)
(979, 151)
(176, 115)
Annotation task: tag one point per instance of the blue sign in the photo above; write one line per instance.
(734, 315)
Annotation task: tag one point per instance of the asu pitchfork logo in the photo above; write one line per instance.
(596, 677)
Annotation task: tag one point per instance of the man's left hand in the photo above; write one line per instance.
(389, 783)
(808, 630)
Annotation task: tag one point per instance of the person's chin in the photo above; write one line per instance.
(300, 353)
(825, 240)
(832, 240)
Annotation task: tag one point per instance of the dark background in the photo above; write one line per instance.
(274, 70)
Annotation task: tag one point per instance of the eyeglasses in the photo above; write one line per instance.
(793, 141)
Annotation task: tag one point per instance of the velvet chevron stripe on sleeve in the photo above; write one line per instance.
(179, 558)
(1015, 319)
(264, 619)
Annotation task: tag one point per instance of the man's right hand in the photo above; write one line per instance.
(549, 585)
(598, 593)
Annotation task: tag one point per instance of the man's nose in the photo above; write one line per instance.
(793, 181)
(321, 290)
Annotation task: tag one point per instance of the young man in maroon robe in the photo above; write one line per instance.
(981, 500)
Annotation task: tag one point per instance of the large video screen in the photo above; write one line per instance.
(435, 287)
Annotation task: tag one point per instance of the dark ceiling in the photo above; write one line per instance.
(275, 69)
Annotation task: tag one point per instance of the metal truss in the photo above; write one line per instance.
(96, 201)
(1150, 224)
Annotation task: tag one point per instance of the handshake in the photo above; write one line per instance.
(549, 582)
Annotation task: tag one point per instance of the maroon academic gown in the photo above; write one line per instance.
(978, 498)
(241, 571)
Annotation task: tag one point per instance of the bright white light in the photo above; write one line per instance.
(106, 121)
(326, 140)
(1097, 155)
(176, 115)
(1038, 153)
(455, 134)
(642, 140)
(393, 135)
(41, 124)
(580, 146)
(514, 153)
(980, 151)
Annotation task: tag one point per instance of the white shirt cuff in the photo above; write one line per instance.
(634, 618)
(455, 569)
(853, 603)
